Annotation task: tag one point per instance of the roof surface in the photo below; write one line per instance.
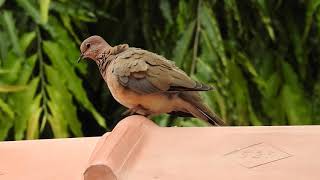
(138, 149)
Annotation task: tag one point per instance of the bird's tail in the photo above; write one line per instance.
(199, 109)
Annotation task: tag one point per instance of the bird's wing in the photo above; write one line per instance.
(145, 72)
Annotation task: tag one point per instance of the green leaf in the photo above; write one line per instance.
(316, 104)
(263, 10)
(10, 26)
(74, 84)
(5, 45)
(64, 110)
(72, 53)
(240, 93)
(211, 26)
(312, 8)
(21, 102)
(26, 39)
(166, 10)
(30, 9)
(162, 120)
(273, 86)
(59, 131)
(44, 11)
(2, 2)
(6, 108)
(13, 63)
(290, 76)
(27, 69)
(4, 71)
(245, 62)
(11, 88)
(5, 124)
(182, 45)
(33, 121)
(232, 9)
(67, 23)
(253, 118)
(57, 119)
(297, 108)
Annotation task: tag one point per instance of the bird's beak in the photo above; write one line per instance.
(80, 58)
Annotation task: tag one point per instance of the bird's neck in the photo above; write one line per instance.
(108, 55)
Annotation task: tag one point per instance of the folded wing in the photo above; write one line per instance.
(145, 72)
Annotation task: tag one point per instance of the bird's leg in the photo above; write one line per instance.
(130, 111)
(137, 110)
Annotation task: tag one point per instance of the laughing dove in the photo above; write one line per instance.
(147, 83)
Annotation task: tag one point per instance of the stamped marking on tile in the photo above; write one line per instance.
(257, 155)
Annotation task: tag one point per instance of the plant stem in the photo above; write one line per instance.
(42, 80)
(196, 41)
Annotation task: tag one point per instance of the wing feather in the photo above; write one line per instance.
(146, 72)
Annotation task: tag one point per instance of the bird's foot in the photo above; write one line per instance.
(137, 110)
(129, 112)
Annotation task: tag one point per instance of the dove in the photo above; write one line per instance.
(147, 83)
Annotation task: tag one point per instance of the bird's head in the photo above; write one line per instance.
(92, 46)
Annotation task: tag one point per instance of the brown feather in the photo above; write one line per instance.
(159, 73)
(201, 110)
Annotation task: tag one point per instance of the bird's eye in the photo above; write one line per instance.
(88, 45)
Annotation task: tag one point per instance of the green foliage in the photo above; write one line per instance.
(38, 82)
(262, 57)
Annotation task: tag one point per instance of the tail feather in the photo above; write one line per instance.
(212, 118)
(200, 110)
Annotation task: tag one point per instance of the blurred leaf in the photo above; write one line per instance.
(73, 82)
(263, 10)
(61, 102)
(6, 108)
(183, 44)
(4, 47)
(296, 106)
(210, 24)
(73, 9)
(21, 102)
(44, 10)
(27, 69)
(232, 9)
(14, 64)
(316, 105)
(9, 23)
(26, 39)
(33, 121)
(273, 86)
(298, 45)
(166, 10)
(2, 2)
(10, 88)
(312, 7)
(67, 23)
(239, 89)
(5, 124)
(4, 71)
(245, 62)
(30, 9)
(162, 120)
(290, 76)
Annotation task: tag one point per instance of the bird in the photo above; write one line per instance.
(146, 83)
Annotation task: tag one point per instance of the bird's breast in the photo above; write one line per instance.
(156, 102)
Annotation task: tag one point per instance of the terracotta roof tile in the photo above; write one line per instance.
(138, 149)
